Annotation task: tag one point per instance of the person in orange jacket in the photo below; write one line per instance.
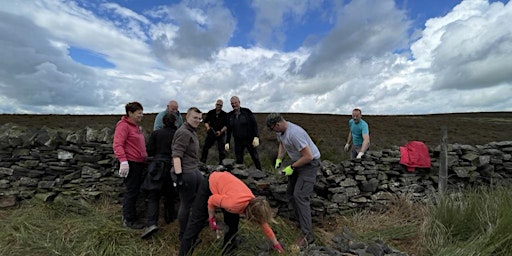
(224, 190)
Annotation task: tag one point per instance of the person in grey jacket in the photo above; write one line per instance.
(185, 157)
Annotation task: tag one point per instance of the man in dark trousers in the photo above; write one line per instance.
(216, 126)
(242, 125)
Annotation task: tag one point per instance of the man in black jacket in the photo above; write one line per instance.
(242, 125)
(216, 126)
(158, 181)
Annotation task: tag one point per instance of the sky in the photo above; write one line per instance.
(402, 57)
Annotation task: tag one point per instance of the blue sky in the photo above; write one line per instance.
(310, 56)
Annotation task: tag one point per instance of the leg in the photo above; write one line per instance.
(254, 155)
(198, 219)
(132, 184)
(239, 150)
(208, 143)
(232, 220)
(303, 190)
(191, 182)
(292, 208)
(153, 204)
(221, 141)
(169, 195)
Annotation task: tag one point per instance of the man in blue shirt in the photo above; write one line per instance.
(359, 133)
(172, 107)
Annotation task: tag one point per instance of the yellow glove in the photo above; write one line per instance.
(288, 170)
(255, 142)
(278, 163)
(226, 147)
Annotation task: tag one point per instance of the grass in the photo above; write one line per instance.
(477, 222)
(474, 222)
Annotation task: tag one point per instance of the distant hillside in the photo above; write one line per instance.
(330, 131)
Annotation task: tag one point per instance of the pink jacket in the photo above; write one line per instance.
(415, 154)
(129, 143)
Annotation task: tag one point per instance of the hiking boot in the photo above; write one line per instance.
(304, 242)
(149, 231)
(132, 224)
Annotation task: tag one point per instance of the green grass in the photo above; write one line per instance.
(67, 227)
(474, 222)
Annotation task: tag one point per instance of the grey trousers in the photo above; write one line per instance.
(300, 187)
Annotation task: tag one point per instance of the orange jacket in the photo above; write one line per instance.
(231, 194)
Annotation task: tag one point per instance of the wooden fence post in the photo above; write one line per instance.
(443, 161)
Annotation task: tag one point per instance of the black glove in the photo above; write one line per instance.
(212, 132)
(179, 181)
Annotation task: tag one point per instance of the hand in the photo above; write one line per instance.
(278, 163)
(124, 169)
(218, 133)
(347, 147)
(278, 247)
(179, 181)
(288, 170)
(211, 131)
(213, 224)
(359, 155)
(226, 147)
(256, 142)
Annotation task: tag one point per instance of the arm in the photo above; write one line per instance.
(120, 136)
(366, 142)
(267, 230)
(254, 124)
(159, 123)
(306, 157)
(177, 165)
(280, 151)
(349, 137)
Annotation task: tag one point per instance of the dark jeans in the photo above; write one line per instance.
(240, 145)
(132, 185)
(208, 143)
(199, 219)
(300, 186)
(187, 192)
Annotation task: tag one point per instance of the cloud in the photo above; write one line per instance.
(191, 34)
(365, 57)
(365, 30)
(470, 47)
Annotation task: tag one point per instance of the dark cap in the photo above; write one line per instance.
(273, 119)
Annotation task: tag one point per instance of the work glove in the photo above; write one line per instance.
(179, 181)
(347, 147)
(213, 224)
(124, 168)
(359, 155)
(256, 142)
(211, 131)
(278, 247)
(278, 163)
(226, 147)
(288, 170)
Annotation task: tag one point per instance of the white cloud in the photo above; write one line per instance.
(459, 63)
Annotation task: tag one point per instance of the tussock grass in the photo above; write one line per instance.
(475, 222)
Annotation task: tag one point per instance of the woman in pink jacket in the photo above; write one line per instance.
(130, 149)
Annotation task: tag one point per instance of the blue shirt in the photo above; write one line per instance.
(358, 130)
(159, 120)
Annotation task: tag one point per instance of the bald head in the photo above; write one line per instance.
(172, 106)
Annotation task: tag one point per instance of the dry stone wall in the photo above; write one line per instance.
(47, 163)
